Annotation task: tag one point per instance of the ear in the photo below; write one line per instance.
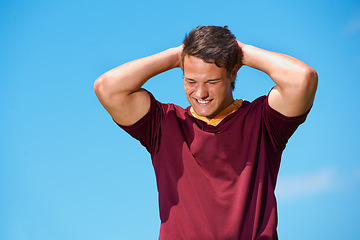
(234, 73)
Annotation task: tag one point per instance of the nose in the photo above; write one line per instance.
(201, 92)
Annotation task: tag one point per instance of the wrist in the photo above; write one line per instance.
(243, 53)
(177, 56)
(167, 59)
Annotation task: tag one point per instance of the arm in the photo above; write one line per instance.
(119, 90)
(296, 82)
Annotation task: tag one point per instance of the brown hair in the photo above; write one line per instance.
(212, 44)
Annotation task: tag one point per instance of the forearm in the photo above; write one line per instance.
(284, 70)
(296, 82)
(129, 77)
(119, 89)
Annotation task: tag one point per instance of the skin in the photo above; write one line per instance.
(119, 90)
(207, 86)
(296, 82)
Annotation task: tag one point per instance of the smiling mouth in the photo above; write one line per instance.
(203, 101)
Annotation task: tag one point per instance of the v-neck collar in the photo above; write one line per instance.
(221, 116)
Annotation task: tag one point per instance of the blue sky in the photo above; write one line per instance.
(68, 172)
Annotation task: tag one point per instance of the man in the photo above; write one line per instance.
(216, 162)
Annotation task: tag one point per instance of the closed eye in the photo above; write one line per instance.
(190, 81)
(213, 81)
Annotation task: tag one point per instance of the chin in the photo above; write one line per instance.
(204, 114)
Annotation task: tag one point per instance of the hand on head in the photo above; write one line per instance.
(240, 63)
(179, 50)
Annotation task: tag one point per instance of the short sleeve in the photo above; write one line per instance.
(147, 129)
(278, 126)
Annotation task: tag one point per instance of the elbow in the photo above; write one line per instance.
(102, 86)
(306, 85)
(107, 91)
(310, 79)
(311, 74)
(98, 85)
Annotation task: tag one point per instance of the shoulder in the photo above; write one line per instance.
(254, 106)
(262, 104)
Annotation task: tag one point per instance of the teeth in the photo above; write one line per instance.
(203, 101)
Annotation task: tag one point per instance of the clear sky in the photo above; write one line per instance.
(68, 172)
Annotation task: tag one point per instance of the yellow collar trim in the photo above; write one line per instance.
(218, 118)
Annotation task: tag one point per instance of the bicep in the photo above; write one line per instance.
(295, 100)
(128, 109)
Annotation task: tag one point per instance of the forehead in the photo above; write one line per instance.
(195, 67)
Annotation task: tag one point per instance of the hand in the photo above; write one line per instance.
(179, 50)
(240, 61)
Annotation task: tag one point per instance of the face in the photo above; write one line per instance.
(207, 87)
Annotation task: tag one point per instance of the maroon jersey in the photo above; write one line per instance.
(216, 182)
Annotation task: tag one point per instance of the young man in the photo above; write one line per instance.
(216, 162)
